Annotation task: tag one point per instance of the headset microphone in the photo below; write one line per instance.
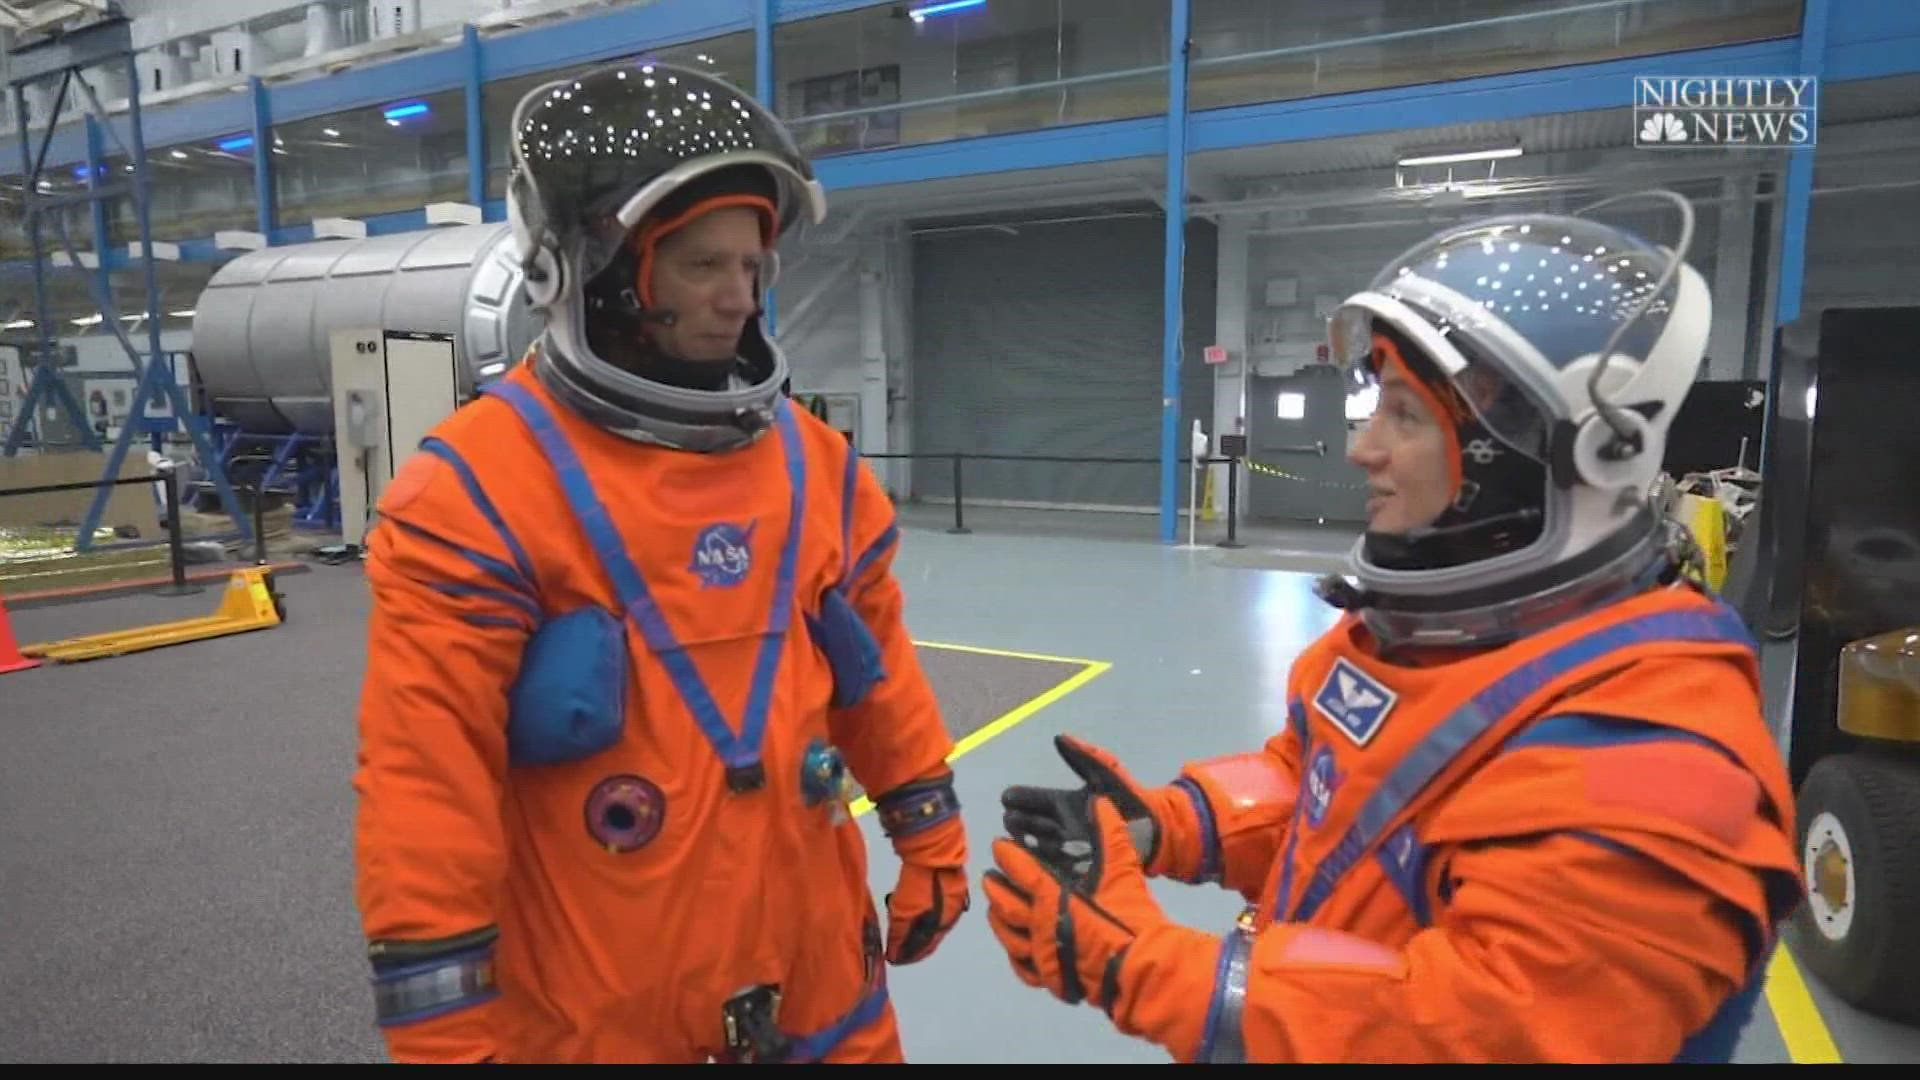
(1523, 516)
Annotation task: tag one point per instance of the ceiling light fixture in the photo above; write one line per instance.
(1440, 156)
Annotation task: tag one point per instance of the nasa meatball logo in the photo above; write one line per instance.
(1322, 781)
(723, 555)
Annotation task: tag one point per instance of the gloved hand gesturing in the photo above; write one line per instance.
(1054, 823)
(1069, 931)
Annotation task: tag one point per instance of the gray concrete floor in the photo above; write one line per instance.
(176, 871)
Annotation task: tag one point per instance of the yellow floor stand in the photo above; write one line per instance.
(248, 603)
(1704, 517)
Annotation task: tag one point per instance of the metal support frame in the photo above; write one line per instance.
(476, 119)
(108, 41)
(262, 155)
(308, 459)
(765, 90)
(1797, 200)
(1799, 186)
(1176, 244)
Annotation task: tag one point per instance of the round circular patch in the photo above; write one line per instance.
(1322, 780)
(625, 813)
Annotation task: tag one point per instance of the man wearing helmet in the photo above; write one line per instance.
(635, 637)
(1526, 806)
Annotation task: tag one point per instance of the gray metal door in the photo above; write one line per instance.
(1298, 469)
(1044, 338)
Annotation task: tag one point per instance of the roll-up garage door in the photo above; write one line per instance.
(1045, 339)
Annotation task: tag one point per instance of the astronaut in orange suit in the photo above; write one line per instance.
(1526, 807)
(635, 638)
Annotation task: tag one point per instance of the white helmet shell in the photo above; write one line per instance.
(1575, 343)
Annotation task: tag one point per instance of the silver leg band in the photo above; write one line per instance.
(1224, 1043)
(431, 988)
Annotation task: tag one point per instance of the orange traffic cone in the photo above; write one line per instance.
(10, 658)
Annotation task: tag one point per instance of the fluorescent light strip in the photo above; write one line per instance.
(1464, 155)
(401, 112)
(920, 14)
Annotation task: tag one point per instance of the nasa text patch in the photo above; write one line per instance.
(1355, 701)
(723, 554)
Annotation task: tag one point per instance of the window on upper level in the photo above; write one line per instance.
(398, 155)
(867, 79)
(1248, 51)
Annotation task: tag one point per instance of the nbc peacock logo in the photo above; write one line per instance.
(1759, 112)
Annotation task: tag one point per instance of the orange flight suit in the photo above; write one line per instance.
(615, 886)
(1576, 847)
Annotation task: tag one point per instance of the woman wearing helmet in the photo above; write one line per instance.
(1526, 807)
(635, 636)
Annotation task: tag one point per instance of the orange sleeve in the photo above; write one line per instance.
(1552, 949)
(452, 608)
(1230, 826)
(896, 734)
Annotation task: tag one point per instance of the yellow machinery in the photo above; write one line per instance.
(248, 603)
(1827, 577)
(1859, 810)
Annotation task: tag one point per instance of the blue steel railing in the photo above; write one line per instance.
(474, 84)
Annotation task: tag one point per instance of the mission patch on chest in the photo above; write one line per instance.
(1355, 701)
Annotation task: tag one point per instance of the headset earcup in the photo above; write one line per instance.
(545, 279)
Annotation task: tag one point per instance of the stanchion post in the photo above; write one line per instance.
(1233, 505)
(176, 547)
(259, 527)
(959, 519)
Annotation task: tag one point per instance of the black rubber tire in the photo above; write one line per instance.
(1875, 799)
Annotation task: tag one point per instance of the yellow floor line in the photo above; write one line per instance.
(1090, 670)
(1794, 1013)
(1010, 654)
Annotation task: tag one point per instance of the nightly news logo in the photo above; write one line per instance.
(1761, 112)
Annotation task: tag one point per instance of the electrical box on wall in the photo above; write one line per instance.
(390, 388)
(840, 411)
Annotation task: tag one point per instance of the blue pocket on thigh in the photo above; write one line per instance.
(569, 700)
(850, 647)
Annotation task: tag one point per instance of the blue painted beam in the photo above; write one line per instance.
(796, 10)
(609, 34)
(203, 119)
(1869, 20)
(764, 91)
(1176, 252)
(97, 175)
(374, 84)
(262, 156)
(1797, 197)
(476, 119)
(1873, 59)
(763, 86)
(1114, 140)
(1868, 39)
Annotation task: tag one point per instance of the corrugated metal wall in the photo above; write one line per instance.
(1045, 338)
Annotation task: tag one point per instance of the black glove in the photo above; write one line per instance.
(1056, 824)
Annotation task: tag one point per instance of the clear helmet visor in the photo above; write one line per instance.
(1503, 306)
(1480, 388)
